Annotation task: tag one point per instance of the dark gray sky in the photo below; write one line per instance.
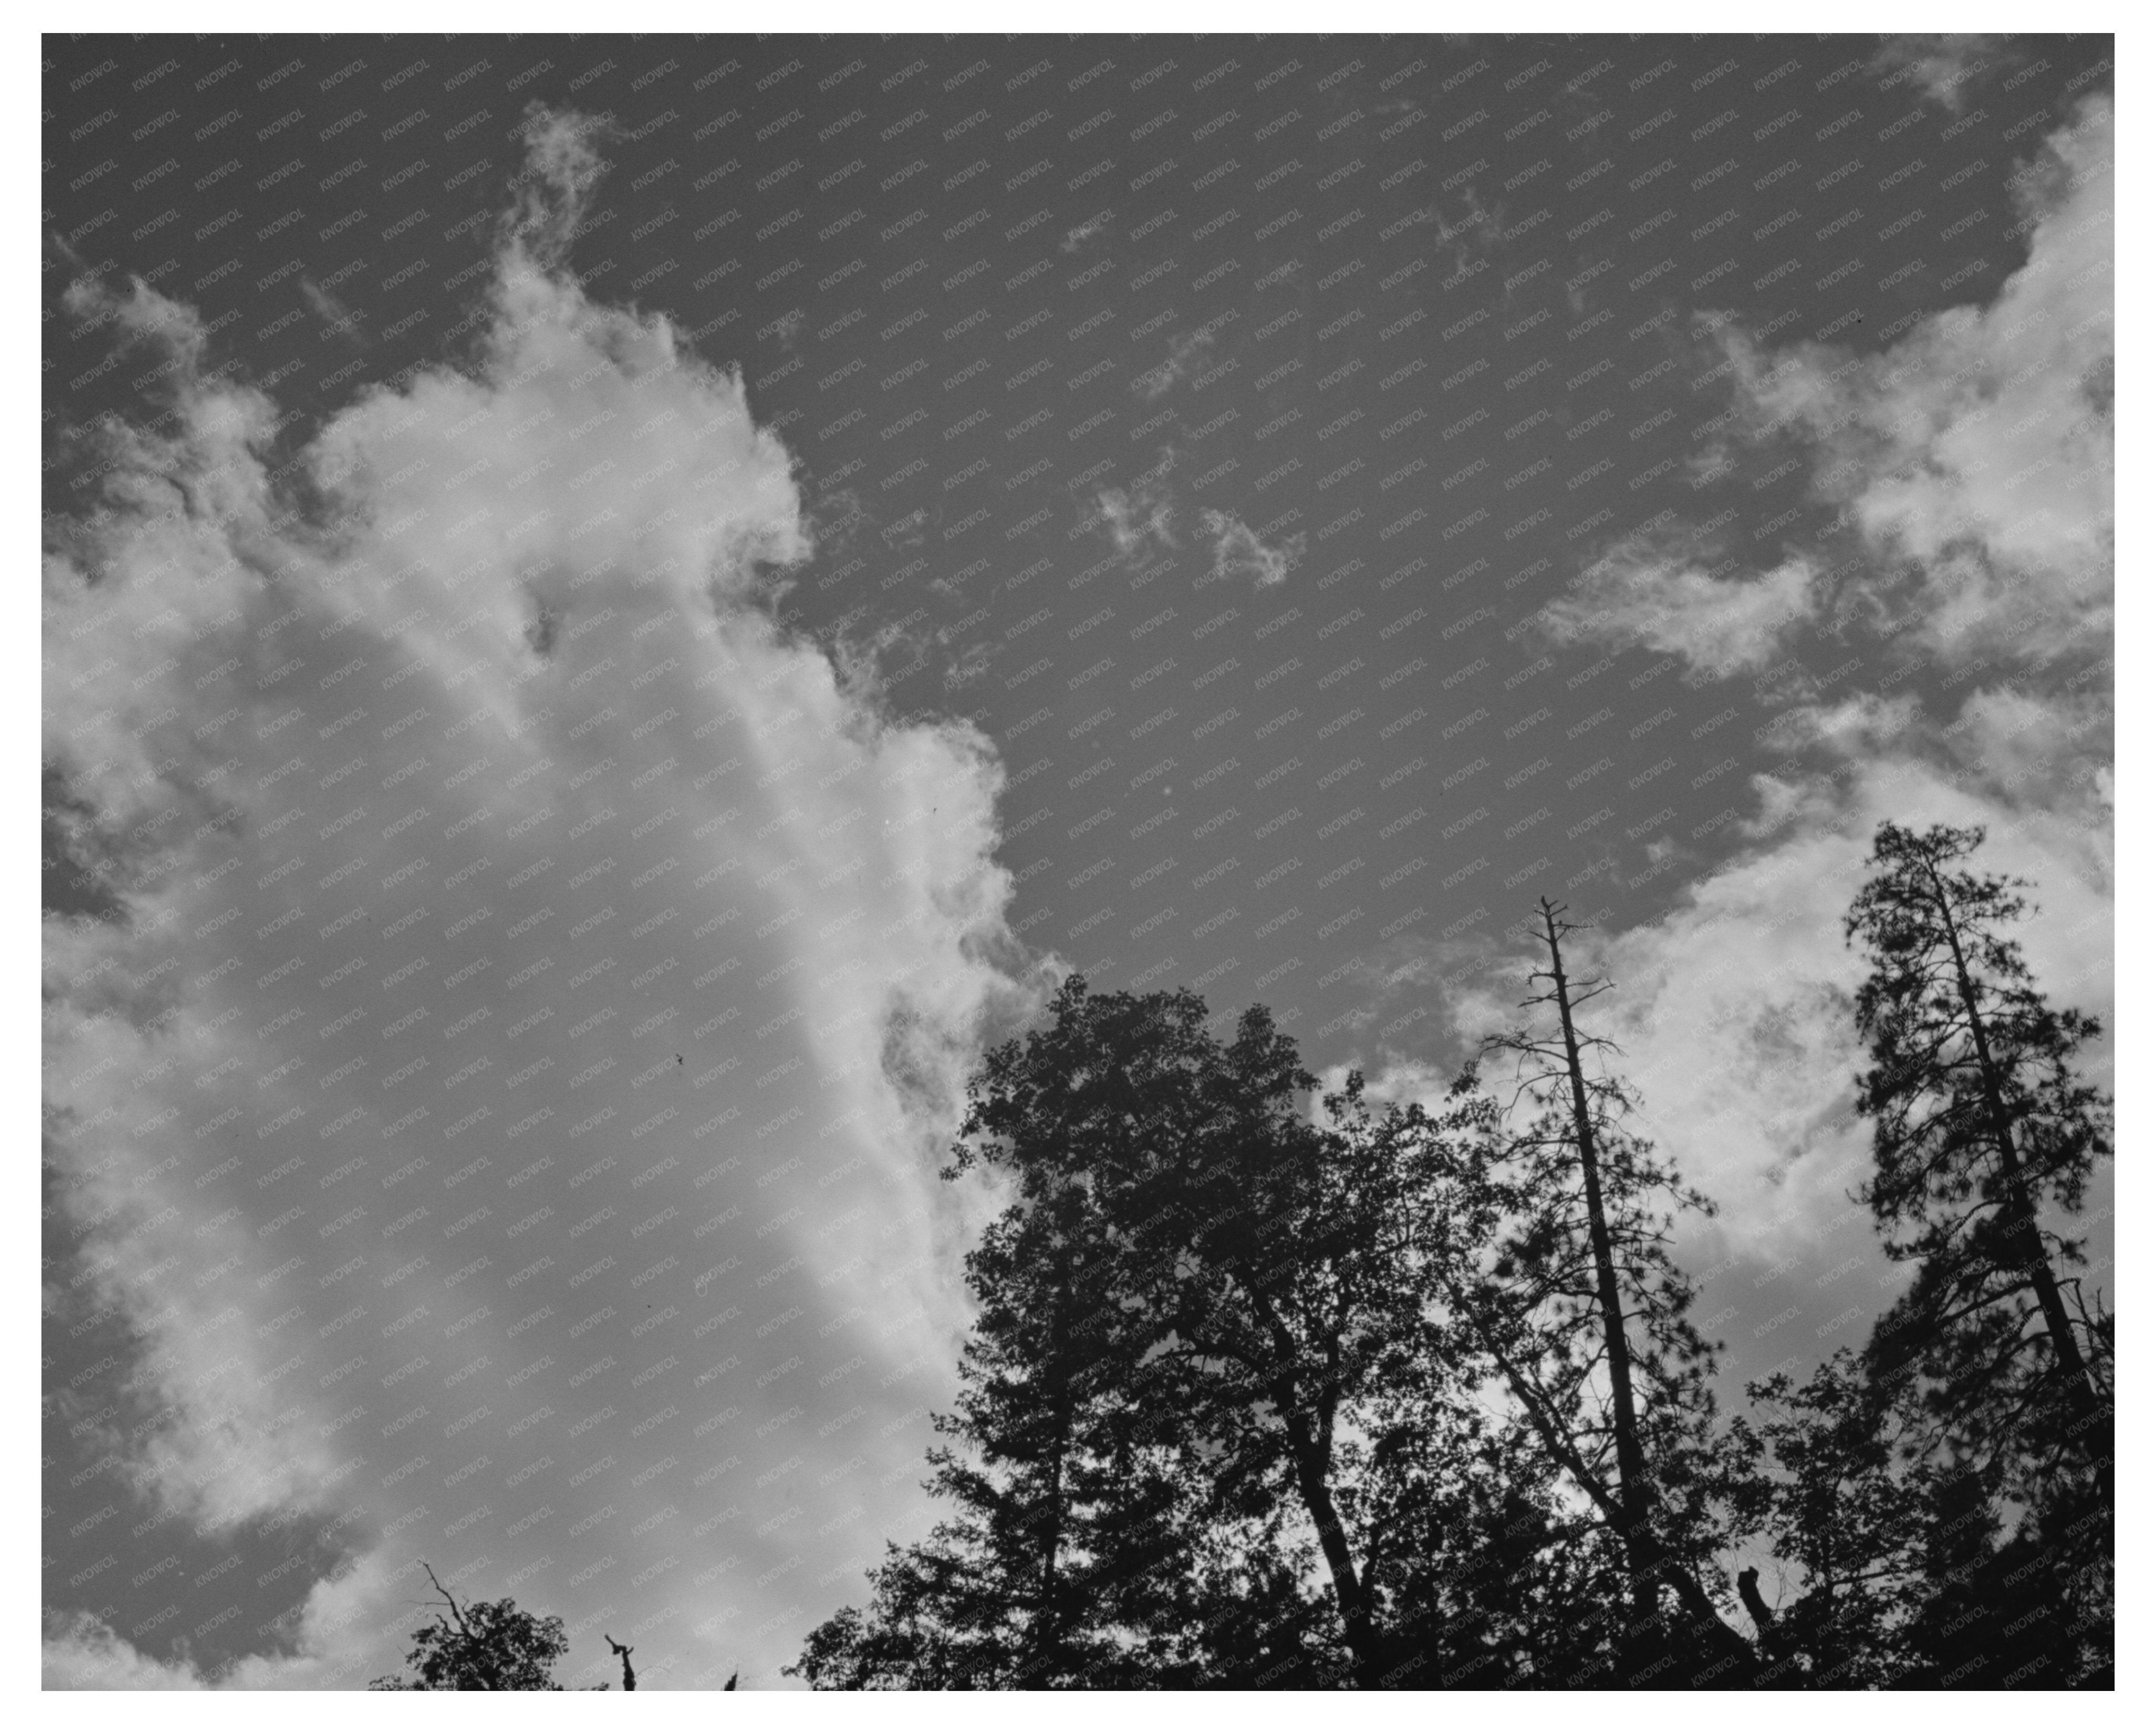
(613, 607)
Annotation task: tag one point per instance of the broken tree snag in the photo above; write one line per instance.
(628, 1670)
(1748, 1589)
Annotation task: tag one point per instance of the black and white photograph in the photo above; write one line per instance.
(919, 858)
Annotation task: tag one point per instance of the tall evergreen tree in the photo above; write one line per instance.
(1984, 1138)
(1983, 1135)
(1064, 1520)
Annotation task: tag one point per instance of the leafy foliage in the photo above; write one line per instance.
(489, 1645)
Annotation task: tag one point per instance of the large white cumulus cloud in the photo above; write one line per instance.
(484, 851)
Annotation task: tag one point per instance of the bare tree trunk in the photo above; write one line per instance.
(1635, 1493)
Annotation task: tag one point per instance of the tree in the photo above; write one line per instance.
(1818, 1476)
(1202, 1306)
(1983, 1135)
(486, 1645)
(1175, 1153)
(1063, 1518)
(1562, 1278)
(1979, 1124)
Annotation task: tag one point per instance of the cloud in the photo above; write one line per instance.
(1184, 355)
(1133, 518)
(340, 319)
(1939, 67)
(1736, 1007)
(1086, 231)
(536, 984)
(1237, 551)
(84, 1653)
(1978, 446)
(1720, 626)
(1468, 239)
(563, 167)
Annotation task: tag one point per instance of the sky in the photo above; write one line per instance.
(615, 610)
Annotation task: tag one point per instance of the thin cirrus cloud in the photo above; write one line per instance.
(499, 701)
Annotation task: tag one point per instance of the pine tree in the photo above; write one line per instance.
(1984, 1138)
(1063, 1518)
(1980, 1125)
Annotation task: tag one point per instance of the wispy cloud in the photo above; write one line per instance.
(1972, 458)
(562, 168)
(1185, 354)
(1086, 231)
(1719, 625)
(1941, 68)
(339, 318)
(1137, 518)
(1238, 553)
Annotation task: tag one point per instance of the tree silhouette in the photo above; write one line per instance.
(1979, 1125)
(1983, 1135)
(1564, 1282)
(1273, 1388)
(1200, 1299)
(489, 1645)
(1818, 1476)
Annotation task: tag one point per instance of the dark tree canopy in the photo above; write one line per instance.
(487, 1644)
(1274, 1386)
